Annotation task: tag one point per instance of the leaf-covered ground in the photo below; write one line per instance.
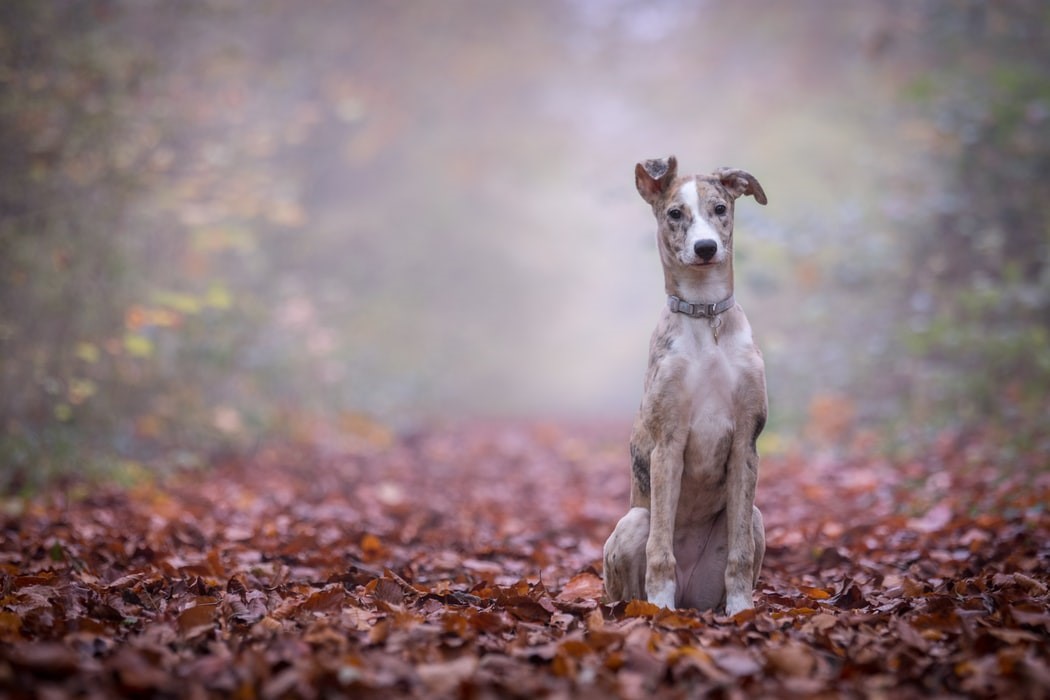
(466, 563)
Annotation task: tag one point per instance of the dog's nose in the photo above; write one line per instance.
(705, 249)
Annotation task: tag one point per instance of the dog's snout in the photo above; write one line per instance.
(705, 249)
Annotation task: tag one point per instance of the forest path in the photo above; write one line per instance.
(466, 562)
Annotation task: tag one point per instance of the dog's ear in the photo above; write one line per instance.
(741, 182)
(653, 177)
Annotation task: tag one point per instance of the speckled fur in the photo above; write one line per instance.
(692, 537)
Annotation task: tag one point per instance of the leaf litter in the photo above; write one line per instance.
(466, 562)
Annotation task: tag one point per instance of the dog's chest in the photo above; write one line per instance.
(711, 427)
(711, 386)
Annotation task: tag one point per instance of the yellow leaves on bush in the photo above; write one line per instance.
(80, 390)
(138, 317)
(169, 309)
(87, 352)
(138, 346)
(366, 429)
(170, 302)
(221, 239)
(218, 297)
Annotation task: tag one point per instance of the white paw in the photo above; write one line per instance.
(738, 603)
(663, 596)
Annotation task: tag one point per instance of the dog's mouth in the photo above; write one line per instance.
(687, 259)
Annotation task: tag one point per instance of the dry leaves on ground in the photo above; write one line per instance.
(466, 563)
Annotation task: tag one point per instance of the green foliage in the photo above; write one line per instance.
(986, 355)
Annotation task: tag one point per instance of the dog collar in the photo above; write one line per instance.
(698, 310)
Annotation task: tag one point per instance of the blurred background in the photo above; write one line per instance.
(225, 221)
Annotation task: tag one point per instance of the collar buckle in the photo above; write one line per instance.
(679, 306)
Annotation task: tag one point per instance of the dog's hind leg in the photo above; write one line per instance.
(758, 527)
(625, 556)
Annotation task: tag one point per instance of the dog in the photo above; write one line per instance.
(693, 537)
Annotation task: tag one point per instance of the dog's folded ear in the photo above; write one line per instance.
(741, 182)
(653, 177)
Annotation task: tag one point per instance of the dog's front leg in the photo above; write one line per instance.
(666, 465)
(741, 565)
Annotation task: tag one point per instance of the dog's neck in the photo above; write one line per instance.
(701, 285)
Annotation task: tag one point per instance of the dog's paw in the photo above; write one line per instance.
(663, 596)
(738, 603)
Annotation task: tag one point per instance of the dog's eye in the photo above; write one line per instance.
(720, 209)
(675, 214)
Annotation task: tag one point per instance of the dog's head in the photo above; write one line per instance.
(694, 214)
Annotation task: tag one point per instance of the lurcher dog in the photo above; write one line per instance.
(693, 536)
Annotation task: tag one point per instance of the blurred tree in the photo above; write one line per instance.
(979, 291)
(63, 181)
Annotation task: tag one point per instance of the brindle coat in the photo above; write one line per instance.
(692, 536)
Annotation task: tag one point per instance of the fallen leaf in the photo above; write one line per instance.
(791, 659)
(193, 620)
(582, 585)
(641, 608)
(443, 678)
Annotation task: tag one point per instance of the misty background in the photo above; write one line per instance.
(226, 221)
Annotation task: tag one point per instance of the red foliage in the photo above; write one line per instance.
(467, 563)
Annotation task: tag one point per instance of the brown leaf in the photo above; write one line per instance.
(595, 620)
(822, 622)
(371, 547)
(669, 619)
(136, 673)
(1034, 617)
(10, 626)
(388, 591)
(194, 620)
(444, 677)
(814, 593)
(693, 657)
(47, 658)
(736, 662)
(641, 608)
(582, 585)
(791, 659)
(330, 598)
(527, 609)
(849, 597)
(479, 566)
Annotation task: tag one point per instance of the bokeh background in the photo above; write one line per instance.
(230, 221)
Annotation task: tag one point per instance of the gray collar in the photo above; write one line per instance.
(698, 310)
